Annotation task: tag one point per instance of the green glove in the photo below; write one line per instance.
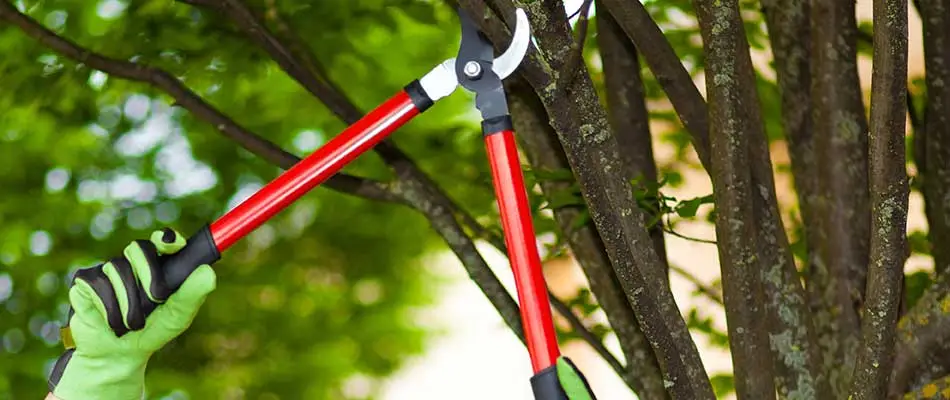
(108, 338)
(573, 383)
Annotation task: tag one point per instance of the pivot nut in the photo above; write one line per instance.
(473, 69)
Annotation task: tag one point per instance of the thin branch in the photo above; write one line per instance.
(253, 26)
(627, 112)
(732, 123)
(924, 343)
(628, 119)
(935, 134)
(568, 71)
(668, 228)
(187, 99)
(916, 121)
(710, 292)
(684, 237)
(889, 197)
(586, 334)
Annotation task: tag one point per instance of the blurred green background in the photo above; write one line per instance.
(324, 292)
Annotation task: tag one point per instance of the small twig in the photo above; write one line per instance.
(692, 239)
(703, 288)
(578, 11)
(668, 228)
(566, 74)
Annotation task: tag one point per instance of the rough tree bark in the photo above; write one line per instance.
(627, 110)
(934, 164)
(924, 346)
(836, 285)
(789, 27)
(729, 69)
(889, 195)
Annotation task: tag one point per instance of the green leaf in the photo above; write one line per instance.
(688, 208)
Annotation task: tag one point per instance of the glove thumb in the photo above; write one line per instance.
(177, 313)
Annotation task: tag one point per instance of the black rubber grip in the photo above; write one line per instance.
(546, 386)
(495, 125)
(418, 95)
(199, 250)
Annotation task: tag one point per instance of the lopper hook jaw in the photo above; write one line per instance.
(477, 69)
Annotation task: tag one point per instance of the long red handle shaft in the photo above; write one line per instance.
(313, 170)
(516, 221)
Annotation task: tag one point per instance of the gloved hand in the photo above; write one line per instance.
(108, 338)
(573, 383)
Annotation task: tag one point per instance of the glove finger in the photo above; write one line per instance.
(128, 291)
(93, 287)
(177, 314)
(167, 241)
(143, 256)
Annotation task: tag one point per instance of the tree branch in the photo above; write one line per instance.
(627, 110)
(841, 143)
(688, 103)
(567, 72)
(706, 290)
(889, 197)
(936, 176)
(287, 58)
(189, 100)
(730, 68)
(586, 334)
(924, 343)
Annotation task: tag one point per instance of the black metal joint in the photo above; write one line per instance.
(497, 124)
(418, 95)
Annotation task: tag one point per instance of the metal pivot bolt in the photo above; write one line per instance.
(473, 69)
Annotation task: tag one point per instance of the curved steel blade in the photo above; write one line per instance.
(508, 61)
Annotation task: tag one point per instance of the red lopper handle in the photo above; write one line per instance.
(516, 221)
